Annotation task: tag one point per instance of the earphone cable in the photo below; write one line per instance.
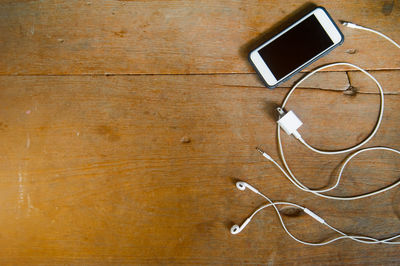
(358, 238)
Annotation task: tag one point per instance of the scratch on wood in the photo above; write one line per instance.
(20, 190)
(30, 205)
(28, 141)
(186, 139)
(351, 51)
(120, 33)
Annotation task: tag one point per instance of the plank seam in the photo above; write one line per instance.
(181, 74)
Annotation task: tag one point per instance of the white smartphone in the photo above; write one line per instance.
(293, 49)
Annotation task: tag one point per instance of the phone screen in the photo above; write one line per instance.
(295, 47)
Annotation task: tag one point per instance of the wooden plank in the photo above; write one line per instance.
(142, 37)
(141, 169)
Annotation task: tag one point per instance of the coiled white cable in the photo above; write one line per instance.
(378, 123)
(235, 229)
(288, 173)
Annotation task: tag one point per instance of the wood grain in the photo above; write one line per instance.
(173, 37)
(141, 170)
(125, 124)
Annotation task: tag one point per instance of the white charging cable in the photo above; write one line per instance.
(235, 229)
(290, 123)
(355, 26)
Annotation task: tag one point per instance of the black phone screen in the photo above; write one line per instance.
(295, 47)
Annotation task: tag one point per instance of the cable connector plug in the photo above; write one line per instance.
(289, 122)
(263, 153)
(351, 24)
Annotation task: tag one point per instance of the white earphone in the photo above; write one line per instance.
(236, 229)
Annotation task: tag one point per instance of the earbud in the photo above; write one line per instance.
(243, 185)
(236, 229)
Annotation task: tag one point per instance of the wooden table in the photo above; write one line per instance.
(124, 125)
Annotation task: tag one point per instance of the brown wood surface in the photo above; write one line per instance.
(76, 37)
(105, 159)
